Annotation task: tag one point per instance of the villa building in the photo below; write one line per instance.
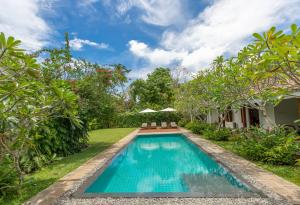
(285, 113)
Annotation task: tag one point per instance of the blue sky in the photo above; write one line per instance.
(144, 34)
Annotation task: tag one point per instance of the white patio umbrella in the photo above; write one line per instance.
(147, 111)
(169, 109)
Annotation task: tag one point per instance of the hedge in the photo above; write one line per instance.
(134, 119)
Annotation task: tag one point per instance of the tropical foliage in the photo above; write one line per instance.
(47, 106)
(39, 114)
(275, 147)
(135, 119)
(262, 73)
(156, 91)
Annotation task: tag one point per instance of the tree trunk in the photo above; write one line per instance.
(191, 117)
(18, 168)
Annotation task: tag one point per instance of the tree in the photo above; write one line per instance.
(96, 98)
(26, 102)
(190, 101)
(120, 79)
(156, 91)
(262, 87)
(279, 53)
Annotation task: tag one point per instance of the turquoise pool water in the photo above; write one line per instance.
(167, 163)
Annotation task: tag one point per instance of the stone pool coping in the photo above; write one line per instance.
(278, 190)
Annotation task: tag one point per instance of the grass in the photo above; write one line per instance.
(99, 140)
(290, 173)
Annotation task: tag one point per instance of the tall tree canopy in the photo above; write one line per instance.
(156, 91)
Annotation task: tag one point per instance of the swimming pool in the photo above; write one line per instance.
(166, 165)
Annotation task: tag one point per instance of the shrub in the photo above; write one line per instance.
(135, 119)
(198, 127)
(182, 122)
(222, 134)
(8, 177)
(189, 125)
(251, 149)
(277, 147)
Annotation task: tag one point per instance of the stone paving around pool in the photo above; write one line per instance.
(274, 189)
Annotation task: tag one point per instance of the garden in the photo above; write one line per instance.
(58, 111)
(274, 150)
(49, 101)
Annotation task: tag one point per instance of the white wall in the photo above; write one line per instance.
(284, 113)
(212, 116)
(237, 118)
(270, 112)
(287, 111)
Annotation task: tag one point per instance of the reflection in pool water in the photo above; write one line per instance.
(149, 146)
(165, 163)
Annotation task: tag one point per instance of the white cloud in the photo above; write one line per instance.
(124, 6)
(223, 27)
(162, 12)
(85, 3)
(22, 20)
(140, 73)
(78, 44)
(158, 12)
(155, 56)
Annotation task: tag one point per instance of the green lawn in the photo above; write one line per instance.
(99, 141)
(290, 173)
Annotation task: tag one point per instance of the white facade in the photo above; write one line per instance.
(262, 120)
(285, 113)
(213, 117)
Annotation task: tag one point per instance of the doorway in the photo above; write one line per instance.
(254, 117)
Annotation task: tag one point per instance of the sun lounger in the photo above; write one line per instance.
(173, 124)
(153, 125)
(144, 126)
(164, 125)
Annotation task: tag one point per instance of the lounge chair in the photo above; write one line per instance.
(173, 125)
(153, 125)
(144, 125)
(164, 125)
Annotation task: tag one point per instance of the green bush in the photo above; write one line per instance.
(134, 119)
(251, 149)
(198, 127)
(222, 134)
(39, 112)
(182, 122)
(277, 147)
(8, 177)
